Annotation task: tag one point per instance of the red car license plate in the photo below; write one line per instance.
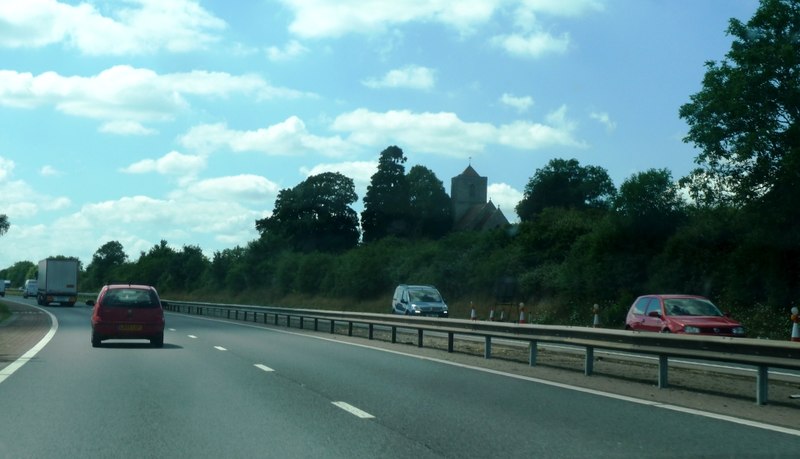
(130, 327)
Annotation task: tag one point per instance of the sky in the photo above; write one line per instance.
(180, 120)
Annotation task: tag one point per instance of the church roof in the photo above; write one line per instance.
(470, 172)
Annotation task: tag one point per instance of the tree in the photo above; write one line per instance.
(386, 210)
(3, 224)
(745, 117)
(567, 184)
(316, 214)
(649, 195)
(105, 261)
(429, 205)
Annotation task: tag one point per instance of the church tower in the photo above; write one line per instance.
(466, 191)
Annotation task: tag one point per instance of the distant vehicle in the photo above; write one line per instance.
(57, 281)
(418, 300)
(689, 314)
(127, 312)
(3, 288)
(30, 288)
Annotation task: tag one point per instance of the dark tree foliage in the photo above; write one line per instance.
(104, 266)
(386, 204)
(745, 118)
(4, 225)
(567, 184)
(316, 214)
(153, 266)
(19, 272)
(649, 195)
(430, 208)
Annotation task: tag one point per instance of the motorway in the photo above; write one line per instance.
(220, 389)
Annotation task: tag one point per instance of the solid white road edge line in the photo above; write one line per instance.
(17, 364)
(353, 410)
(263, 367)
(721, 417)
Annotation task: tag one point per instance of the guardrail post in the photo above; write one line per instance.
(245, 316)
(450, 342)
(301, 323)
(588, 367)
(419, 337)
(487, 348)
(533, 354)
(350, 328)
(265, 318)
(229, 313)
(394, 334)
(276, 318)
(288, 321)
(762, 385)
(370, 331)
(663, 371)
(316, 324)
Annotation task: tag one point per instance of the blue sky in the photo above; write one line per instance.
(143, 120)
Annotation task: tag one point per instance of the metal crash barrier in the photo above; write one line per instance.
(761, 354)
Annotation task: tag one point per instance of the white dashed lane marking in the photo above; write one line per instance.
(220, 348)
(192, 336)
(353, 410)
(263, 367)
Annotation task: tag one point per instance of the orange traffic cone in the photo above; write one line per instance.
(795, 324)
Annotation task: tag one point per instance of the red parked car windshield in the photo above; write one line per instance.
(690, 307)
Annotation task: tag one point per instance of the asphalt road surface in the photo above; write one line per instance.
(219, 389)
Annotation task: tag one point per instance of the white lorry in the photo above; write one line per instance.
(57, 281)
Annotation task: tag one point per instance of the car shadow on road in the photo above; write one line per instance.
(136, 345)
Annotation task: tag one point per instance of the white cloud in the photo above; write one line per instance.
(20, 201)
(6, 167)
(173, 163)
(126, 128)
(604, 119)
(521, 104)
(124, 95)
(289, 51)
(559, 131)
(410, 77)
(445, 134)
(289, 137)
(238, 188)
(532, 45)
(334, 18)
(360, 171)
(49, 171)
(133, 27)
(506, 198)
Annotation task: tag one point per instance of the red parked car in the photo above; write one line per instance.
(688, 314)
(127, 312)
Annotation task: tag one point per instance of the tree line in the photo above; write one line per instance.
(729, 230)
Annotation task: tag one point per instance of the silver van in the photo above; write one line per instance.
(30, 289)
(418, 300)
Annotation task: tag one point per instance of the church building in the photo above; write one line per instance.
(471, 208)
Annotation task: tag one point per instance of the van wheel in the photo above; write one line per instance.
(158, 341)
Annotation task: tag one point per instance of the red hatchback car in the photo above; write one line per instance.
(127, 312)
(688, 314)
